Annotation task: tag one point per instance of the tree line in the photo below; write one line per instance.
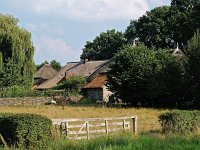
(148, 74)
(161, 27)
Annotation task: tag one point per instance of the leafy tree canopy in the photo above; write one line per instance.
(151, 28)
(103, 46)
(184, 19)
(16, 53)
(193, 67)
(142, 75)
(163, 27)
(54, 64)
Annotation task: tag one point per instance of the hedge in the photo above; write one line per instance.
(180, 122)
(25, 130)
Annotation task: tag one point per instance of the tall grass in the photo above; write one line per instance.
(129, 142)
(147, 118)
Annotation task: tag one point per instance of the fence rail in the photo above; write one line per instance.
(79, 128)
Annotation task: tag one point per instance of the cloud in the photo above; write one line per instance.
(88, 9)
(49, 48)
(45, 27)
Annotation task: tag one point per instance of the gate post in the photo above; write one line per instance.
(135, 124)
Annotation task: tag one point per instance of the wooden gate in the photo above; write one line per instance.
(92, 127)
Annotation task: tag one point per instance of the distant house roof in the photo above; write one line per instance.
(46, 72)
(97, 82)
(75, 68)
(177, 51)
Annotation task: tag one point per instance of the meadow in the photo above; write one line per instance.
(149, 137)
(147, 118)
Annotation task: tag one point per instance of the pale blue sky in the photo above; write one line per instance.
(60, 28)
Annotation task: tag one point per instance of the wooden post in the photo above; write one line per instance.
(87, 130)
(106, 126)
(66, 128)
(124, 124)
(61, 128)
(135, 125)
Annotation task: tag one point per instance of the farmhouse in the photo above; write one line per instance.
(96, 89)
(88, 69)
(43, 74)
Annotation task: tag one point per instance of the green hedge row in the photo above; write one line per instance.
(180, 122)
(18, 91)
(25, 130)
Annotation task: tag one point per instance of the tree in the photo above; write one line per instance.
(193, 68)
(184, 20)
(103, 46)
(143, 76)
(151, 28)
(41, 65)
(130, 74)
(55, 64)
(16, 51)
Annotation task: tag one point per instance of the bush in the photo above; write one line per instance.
(180, 122)
(28, 130)
(73, 84)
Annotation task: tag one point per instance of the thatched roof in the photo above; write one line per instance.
(177, 52)
(97, 82)
(46, 72)
(76, 68)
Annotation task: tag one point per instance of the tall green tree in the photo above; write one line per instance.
(16, 48)
(130, 74)
(151, 28)
(184, 16)
(103, 46)
(193, 67)
(142, 75)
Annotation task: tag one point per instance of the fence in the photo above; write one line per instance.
(92, 127)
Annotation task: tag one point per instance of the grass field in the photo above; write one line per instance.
(148, 126)
(147, 118)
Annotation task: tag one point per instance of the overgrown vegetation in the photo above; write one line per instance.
(72, 85)
(126, 141)
(180, 122)
(142, 76)
(25, 130)
(20, 91)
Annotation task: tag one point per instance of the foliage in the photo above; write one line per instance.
(184, 20)
(21, 91)
(103, 46)
(193, 69)
(29, 130)
(126, 141)
(16, 52)
(129, 75)
(72, 84)
(168, 80)
(143, 76)
(163, 27)
(151, 28)
(55, 65)
(181, 122)
(41, 65)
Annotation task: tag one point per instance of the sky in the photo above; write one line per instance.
(60, 28)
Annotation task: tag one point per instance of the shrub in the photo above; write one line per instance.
(181, 122)
(28, 130)
(73, 84)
